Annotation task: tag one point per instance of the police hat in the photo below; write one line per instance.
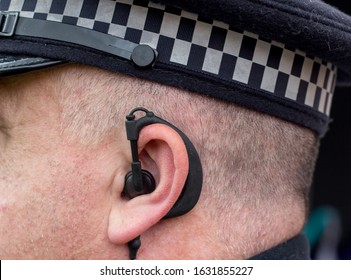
(277, 57)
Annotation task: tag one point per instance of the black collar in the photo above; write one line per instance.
(297, 248)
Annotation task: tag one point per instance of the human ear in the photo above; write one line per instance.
(163, 153)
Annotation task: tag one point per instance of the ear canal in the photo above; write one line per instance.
(148, 185)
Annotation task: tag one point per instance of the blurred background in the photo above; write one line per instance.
(329, 226)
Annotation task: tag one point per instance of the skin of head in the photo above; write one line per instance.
(64, 156)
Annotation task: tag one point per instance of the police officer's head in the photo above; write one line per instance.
(244, 88)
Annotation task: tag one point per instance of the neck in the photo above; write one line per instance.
(246, 232)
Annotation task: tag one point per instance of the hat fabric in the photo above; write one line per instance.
(309, 25)
(204, 46)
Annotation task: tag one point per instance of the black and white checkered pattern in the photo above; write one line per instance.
(206, 46)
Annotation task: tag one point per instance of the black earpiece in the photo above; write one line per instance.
(147, 184)
(139, 181)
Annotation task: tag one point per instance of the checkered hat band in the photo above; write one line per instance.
(200, 45)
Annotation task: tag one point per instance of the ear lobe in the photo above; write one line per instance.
(162, 152)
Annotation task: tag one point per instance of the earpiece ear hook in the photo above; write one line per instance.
(137, 179)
